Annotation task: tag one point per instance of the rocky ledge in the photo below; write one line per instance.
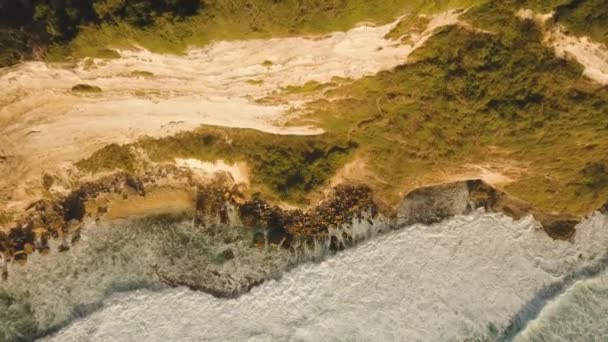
(219, 203)
(435, 203)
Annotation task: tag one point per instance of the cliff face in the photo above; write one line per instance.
(471, 95)
(219, 203)
(435, 203)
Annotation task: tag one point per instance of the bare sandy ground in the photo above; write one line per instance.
(45, 126)
(592, 55)
(238, 171)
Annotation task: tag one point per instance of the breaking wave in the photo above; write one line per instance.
(48, 292)
(578, 314)
(468, 276)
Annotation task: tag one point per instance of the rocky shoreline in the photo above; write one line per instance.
(221, 201)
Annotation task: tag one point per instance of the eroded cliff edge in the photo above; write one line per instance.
(218, 205)
(440, 115)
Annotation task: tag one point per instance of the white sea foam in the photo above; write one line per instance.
(422, 283)
(579, 314)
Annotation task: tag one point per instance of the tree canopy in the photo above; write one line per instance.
(60, 19)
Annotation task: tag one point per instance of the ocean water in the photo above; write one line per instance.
(49, 292)
(477, 277)
(579, 314)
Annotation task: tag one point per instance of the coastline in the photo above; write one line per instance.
(220, 200)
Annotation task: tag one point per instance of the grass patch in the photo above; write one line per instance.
(465, 98)
(585, 17)
(111, 157)
(86, 88)
(581, 17)
(247, 19)
(467, 94)
(5, 218)
(284, 167)
(308, 87)
(142, 73)
(255, 82)
(411, 24)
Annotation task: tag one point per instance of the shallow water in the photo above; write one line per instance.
(465, 277)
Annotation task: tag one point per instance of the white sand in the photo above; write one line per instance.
(238, 171)
(44, 125)
(592, 55)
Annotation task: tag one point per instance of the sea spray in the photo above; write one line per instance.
(444, 282)
(579, 314)
(149, 253)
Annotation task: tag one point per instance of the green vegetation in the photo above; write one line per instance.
(86, 88)
(246, 19)
(308, 87)
(87, 28)
(582, 17)
(13, 44)
(26, 25)
(586, 17)
(111, 157)
(255, 82)
(466, 98)
(473, 98)
(142, 73)
(285, 166)
(5, 218)
(412, 23)
(61, 19)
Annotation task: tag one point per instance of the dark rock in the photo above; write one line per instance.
(227, 254)
(136, 185)
(202, 284)
(559, 227)
(252, 212)
(73, 206)
(211, 203)
(259, 240)
(348, 202)
(47, 181)
(604, 209)
(5, 242)
(19, 237)
(45, 214)
(483, 195)
(20, 256)
(279, 236)
(433, 204)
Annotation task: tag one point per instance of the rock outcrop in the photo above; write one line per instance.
(219, 204)
(348, 202)
(433, 204)
(604, 209)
